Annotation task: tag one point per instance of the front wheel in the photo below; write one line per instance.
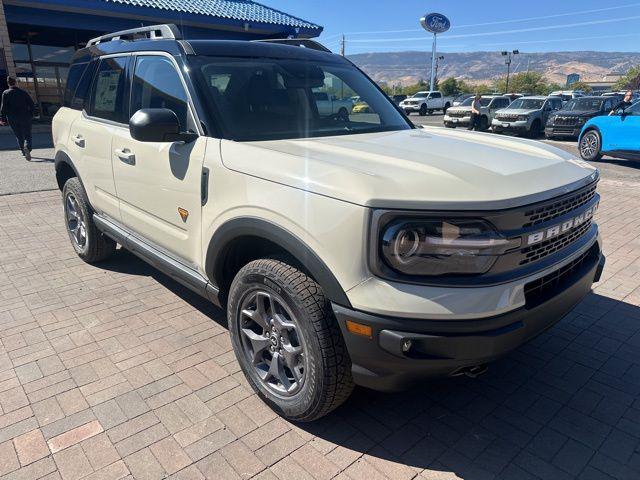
(484, 124)
(590, 146)
(88, 242)
(423, 111)
(287, 340)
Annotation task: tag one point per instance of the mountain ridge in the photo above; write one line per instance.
(483, 66)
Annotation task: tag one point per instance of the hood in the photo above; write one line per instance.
(574, 113)
(459, 109)
(421, 168)
(519, 111)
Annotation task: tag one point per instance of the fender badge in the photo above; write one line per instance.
(184, 214)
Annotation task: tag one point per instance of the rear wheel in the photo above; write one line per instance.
(287, 340)
(88, 242)
(590, 146)
(536, 129)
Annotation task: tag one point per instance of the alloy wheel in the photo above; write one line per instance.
(271, 342)
(589, 145)
(76, 223)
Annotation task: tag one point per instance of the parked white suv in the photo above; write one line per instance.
(345, 251)
(460, 116)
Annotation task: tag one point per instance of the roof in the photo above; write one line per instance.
(243, 10)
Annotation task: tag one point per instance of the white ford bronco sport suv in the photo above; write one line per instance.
(357, 250)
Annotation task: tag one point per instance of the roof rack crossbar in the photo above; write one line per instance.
(168, 31)
(298, 42)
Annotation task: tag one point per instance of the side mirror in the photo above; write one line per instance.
(158, 125)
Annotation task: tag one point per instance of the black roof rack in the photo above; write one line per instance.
(168, 31)
(298, 42)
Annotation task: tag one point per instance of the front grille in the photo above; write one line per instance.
(565, 122)
(557, 129)
(545, 287)
(458, 114)
(507, 117)
(554, 209)
(543, 249)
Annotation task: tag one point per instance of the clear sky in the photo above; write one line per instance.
(530, 26)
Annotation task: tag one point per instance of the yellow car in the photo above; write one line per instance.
(361, 108)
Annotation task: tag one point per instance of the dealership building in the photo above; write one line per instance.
(38, 37)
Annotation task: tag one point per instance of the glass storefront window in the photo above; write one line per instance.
(20, 52)
(43, 53)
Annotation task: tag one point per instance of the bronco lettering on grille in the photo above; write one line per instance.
(561, 228)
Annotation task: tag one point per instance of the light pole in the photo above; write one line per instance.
(438, 60)
(508, 62)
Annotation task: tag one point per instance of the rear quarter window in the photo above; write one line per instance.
(75, 75)
(80, 96)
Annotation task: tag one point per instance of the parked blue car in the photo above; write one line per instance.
(616, 135)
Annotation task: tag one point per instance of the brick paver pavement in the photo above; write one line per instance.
(117, 372)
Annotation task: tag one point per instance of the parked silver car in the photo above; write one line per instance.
(460, 116)
(526, 115)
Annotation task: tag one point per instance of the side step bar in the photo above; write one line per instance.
(179, 272)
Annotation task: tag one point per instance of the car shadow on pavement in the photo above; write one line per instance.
(41, 160)
(619, 161)
(562, 406)
(565, 405)
(126, 262)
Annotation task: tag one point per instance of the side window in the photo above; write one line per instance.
(157, 84)
(634, 109)
(436, 95)
(109, 91)
(608, 105)
(73, 79)
(80, 98)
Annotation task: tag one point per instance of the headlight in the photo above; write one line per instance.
(523, 118)
(581, 120)
(552, 119)
(432, 247)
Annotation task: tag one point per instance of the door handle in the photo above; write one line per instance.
(79, 141)
(126, 156)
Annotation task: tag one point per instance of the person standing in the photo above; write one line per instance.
(17, 110)
(474, 123)
(626, 102)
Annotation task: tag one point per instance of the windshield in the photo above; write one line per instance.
(583, 105)
(421, 95)
(527, 104)
(268, 99)
(467, 102)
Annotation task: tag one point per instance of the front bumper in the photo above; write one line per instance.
(410, 108)
(457, 121)
(448, 347)
(502, 125)
(551, 131)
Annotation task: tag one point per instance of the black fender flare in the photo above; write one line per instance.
(61, 159)
(223, 239)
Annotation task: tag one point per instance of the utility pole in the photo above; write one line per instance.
(342, 45)
(508, 62)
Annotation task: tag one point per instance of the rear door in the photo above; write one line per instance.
(91, 134)
(158, 184)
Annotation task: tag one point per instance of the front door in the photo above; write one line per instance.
(629, 134)
(158, 184)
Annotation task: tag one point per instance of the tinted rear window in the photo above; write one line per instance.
(75, 74)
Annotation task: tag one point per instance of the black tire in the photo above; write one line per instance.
(423, 110)
(549, 137)
(496, 130)
(325, 382)
(535, 130)
(407, 112)
(88, 242)
(590, 146)
(484, 124)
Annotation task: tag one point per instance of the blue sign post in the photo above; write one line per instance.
(435, 23)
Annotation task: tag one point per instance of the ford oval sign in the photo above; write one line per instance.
(435, 23)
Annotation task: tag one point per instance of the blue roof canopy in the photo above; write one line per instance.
(234, 19)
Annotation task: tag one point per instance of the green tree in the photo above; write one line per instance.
(629, 80)
(585, 87)
(524, 82)
(449, 87)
